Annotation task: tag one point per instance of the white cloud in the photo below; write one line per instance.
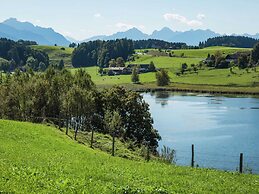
(97, 15)
(200, 16)
(126, 26)
(182, 19)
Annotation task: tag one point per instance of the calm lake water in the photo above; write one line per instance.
(220, 128)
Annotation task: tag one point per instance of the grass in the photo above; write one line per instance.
(206, 79)
(36, 158)
(56, 54)
(203, 53)
(218, 79)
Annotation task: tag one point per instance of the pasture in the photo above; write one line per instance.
(36, 158)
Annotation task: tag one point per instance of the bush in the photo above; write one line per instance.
(162, 78)
(134, 75)
(167, 155)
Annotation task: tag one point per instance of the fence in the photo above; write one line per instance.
(239, 162)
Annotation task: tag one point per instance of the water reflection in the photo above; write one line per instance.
(217, 125)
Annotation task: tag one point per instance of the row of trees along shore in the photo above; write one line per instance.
(57, 94)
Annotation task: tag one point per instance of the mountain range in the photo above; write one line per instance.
(14, 29)
(192, 37)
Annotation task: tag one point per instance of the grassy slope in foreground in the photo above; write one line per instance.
(39, 159)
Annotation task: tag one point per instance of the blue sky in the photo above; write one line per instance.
(81, 19)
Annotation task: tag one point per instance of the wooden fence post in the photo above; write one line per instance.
(241, 163)
(66, 125)
(113, 144)
(59, 122)
(192, 156)
(92, 139)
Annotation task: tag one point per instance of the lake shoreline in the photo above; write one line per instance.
(160, 89)
(190, 88)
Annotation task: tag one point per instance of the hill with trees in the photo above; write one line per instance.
(101, 52)
(20, 55)
(74, 98)
(230, 41)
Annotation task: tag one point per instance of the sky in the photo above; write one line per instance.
(82, 19)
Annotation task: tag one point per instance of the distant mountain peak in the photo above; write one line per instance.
(13, 21)
(28, 31)
(166, 29)
(10, 20)
(133, 30)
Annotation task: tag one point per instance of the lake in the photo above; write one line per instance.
(219, 127)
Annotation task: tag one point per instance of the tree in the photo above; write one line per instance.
(135, 115)
(255, 55)
(113, 122)
(83, 80)
(218, 57)
(100, 70)
(4, 65)
(101, 52)
(72, 45)
(42, 66)
(81, 106)
(243, 61)
(120, 62)
(162, 78)
(32, 63)
(134, 75)
(12, 66)
(67, 80)
(152, 67)
(184, 67)
(112, 63)
(54, 95)
(231, 41)
(1, 77)
(17, 53)
(61, 64)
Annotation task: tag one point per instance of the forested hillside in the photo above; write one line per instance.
(231, 41)
(158, 44)
(19, 54)
(101, 52)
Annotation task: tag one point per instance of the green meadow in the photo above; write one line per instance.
(202, 53)
(56, 54)
(206, 79)
(36, 158)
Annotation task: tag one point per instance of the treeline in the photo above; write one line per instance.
(158, 44)
(20, 55)
(101, 52)
(74, 100)
(231, 41)
(242, 60)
